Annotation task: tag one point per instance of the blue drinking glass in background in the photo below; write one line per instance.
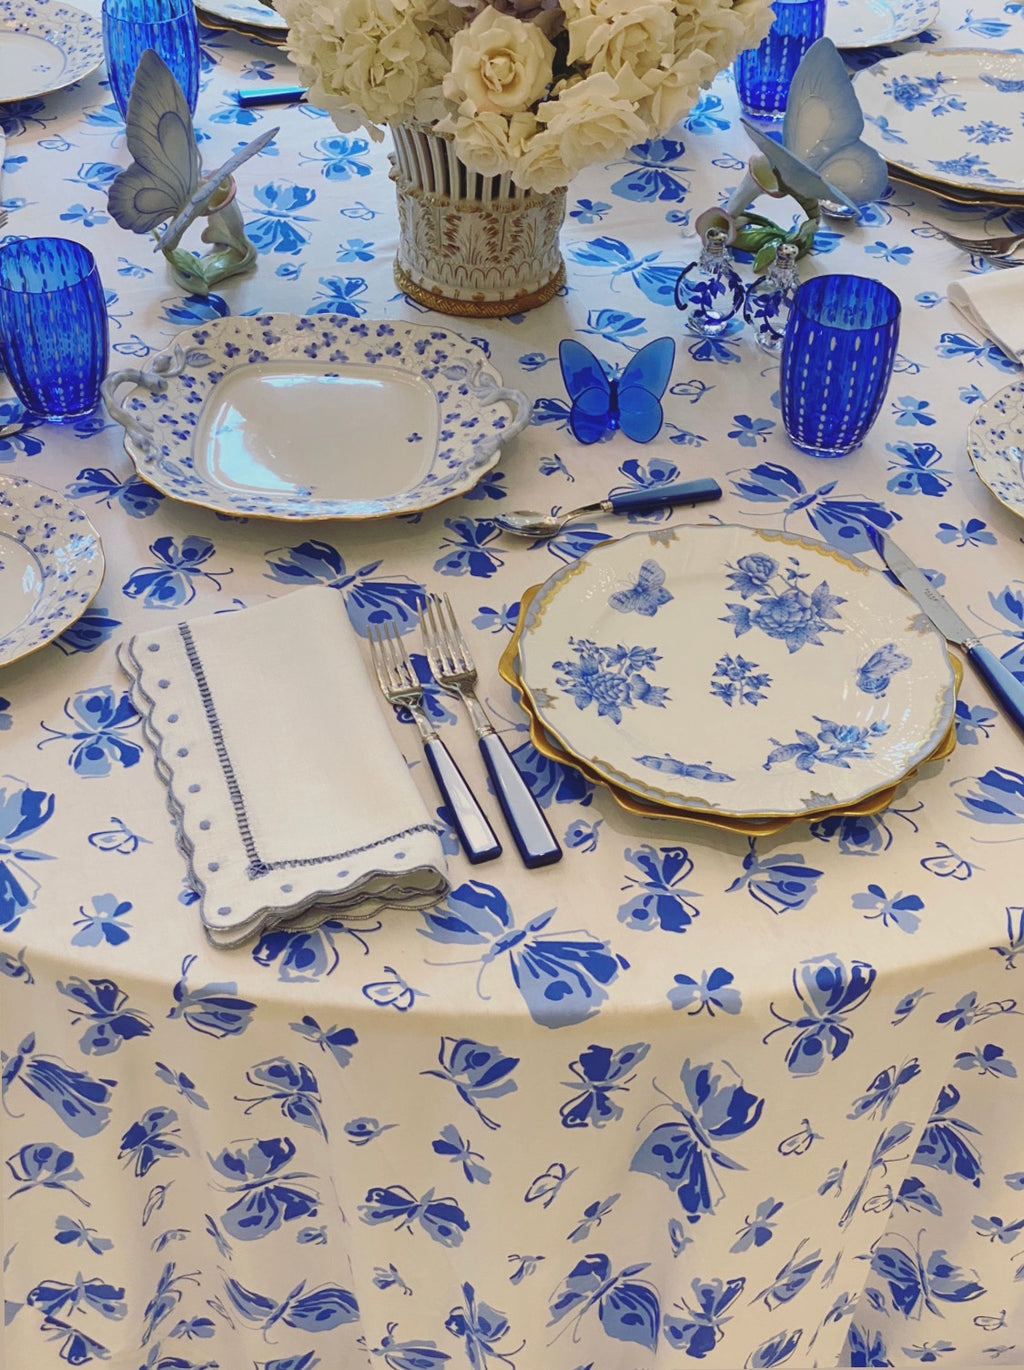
(53, 326)
(765, 73)
(837, 356)
(169, 27)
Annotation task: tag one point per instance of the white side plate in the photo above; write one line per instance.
(735, 671)
(951, 117)
(867, 23)
(248, 14)
(51, 565)
(995, 445)
(45, 46)
(316, 417)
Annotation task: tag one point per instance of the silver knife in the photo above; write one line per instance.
(1007, 689)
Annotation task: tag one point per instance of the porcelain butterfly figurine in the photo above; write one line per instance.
(604, 399)
(165, 185)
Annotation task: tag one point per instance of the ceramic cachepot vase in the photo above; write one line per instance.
(473, 245)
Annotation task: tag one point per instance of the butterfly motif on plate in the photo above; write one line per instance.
(875, 676)
(605, 400)
(646, 595)
(684, 1155)
(442, 1219)
(828, 989)
(602, 1072)
(628, 1308)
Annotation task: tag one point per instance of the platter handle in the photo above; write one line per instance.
(154, 378)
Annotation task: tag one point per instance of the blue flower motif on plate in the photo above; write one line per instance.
(784, 611)
(737, 680)
(611, 677)
(836, 744)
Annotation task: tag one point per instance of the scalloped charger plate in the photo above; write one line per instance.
(735, 673)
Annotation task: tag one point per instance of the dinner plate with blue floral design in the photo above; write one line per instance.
(316, 416)
(951, 117)
(995, 445)
(867, 23)
(51, 565)
(735, 671)
(45, 46)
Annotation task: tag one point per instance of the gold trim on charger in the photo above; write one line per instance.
(754, 827)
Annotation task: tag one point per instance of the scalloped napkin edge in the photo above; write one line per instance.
(291, 801)
(994, 303)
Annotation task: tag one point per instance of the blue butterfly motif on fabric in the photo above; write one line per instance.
(656, 175)
(278, 227)
(998, 796)
(368, 599)
(525, 1265)
(309, 955)
(336, 1041)
(135, 496)
(77, 1347)
(442, 1219)
(216, 1010)
(172, 582)
(662, 900)
(477, 1072)
(151, 1139)
(320, 1310)
(165, 1298)
(790, 1279)
(481, 1327)
(183, 1083)
(545, 1189)
(1014, 946)
(605, 400)
(469, 551)
(1009, 604)
(269, 1194)
(104, 1006)
(698, 1327)
(393, 992)
(340, 295)
(881, 1155)
(684, 1155)
(960, 346)
(340, 157)
(55, 1297)
(408, 1355)
(293, 1086)
(562, 977)
(44, 1165)
(78, 1100)
(452, 1144)
(88, 632)
(917, 469)
(657, 280)
(551, 781)
(23, 811)
(593, 1215)
(828, 989)
(945, 1143)
(881, 1092)
(844, 523)
(614, 325)
(628, 1308)
(782, 882)
(99, 719)
(602, 1072)
(916, 1283)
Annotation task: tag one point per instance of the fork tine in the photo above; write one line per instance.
(376, 658)
(460, 642)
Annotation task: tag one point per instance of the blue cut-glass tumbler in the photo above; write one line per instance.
(764, 74)
(169, 27)
(837, 356)
(53, 326)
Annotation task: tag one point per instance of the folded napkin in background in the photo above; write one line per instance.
(291, 801)
(994, 303)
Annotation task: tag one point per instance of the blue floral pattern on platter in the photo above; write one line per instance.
(952, 118)
(449, 388)
(838, 620)
(995, 445)
(49, 545)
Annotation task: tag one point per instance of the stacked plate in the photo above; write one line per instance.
(250, 17)
(732, 676)
(971, 97)
(995, 445)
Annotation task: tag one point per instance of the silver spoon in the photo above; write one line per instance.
(529, 524)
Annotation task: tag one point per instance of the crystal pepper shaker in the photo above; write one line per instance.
(769, 299)
(709, 292)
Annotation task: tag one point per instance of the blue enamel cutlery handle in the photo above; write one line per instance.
(270, 95)
(529, 828)
(475, 833)
(1001, 681)
(681, 492)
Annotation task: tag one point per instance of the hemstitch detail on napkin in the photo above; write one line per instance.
(257, 866)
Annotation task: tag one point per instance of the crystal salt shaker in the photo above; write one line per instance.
(769, 299)
(709, 292)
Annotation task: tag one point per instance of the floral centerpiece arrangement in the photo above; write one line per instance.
(533, 89)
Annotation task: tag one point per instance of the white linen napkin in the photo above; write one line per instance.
(291, 801)
(994, 303)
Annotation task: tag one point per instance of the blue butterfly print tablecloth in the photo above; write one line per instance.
(687, 1097)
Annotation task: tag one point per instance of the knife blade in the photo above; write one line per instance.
(1007, 689)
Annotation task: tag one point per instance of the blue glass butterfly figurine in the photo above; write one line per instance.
(605, 400)
(165, 185)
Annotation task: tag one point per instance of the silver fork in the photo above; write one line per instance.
(400, 687)
(999, 246)
(455, 671)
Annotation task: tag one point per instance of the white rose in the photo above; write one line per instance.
(672, 92)
(592, 121)
(489, 143)
(615, 35)
(499, 64)
(541, 166)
